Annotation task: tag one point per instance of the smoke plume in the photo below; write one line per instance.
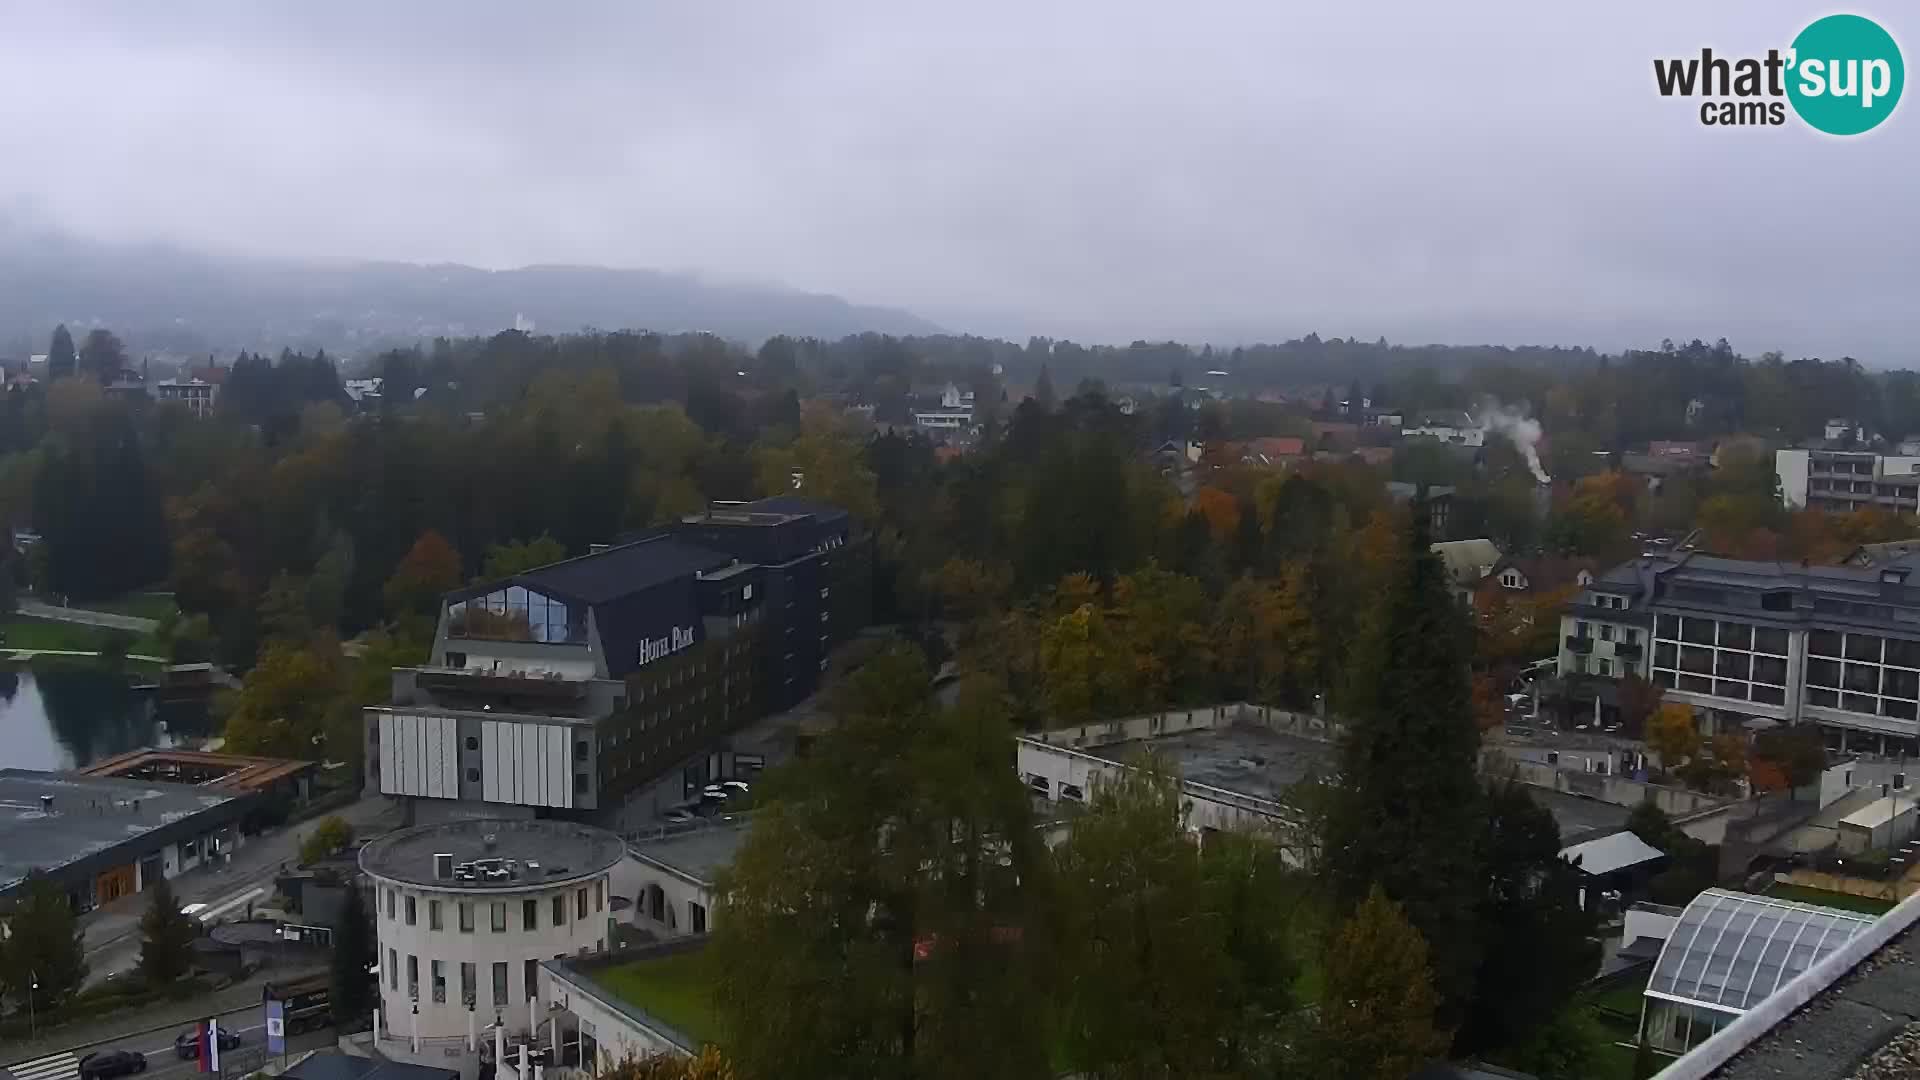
(1519, 429)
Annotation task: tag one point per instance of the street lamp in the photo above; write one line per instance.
(33, 983)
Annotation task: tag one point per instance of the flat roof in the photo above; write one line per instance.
(1242, 758)
(1877, 813)
(536, 852)
(241, 772)
(698, 854)
(91, 816)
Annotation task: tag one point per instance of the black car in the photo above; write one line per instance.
(187, 1043)
(105, 1063)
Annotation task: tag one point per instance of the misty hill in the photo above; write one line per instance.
(163, 298)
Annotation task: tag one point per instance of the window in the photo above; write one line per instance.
(1583, 629)
(1510, 579)
(458, 659)
(1630, 636)
(413, 977)
(600, 894)
(469, 992)
(500, 984)
(393, 970)
(559, 911)
(1606, 631)
(440, 981)
(473, 776)
(580, 750)
(389, 893)
(499, 917)
(533, 978)
(657, 903)
(697, 917)
(433, 915)
(1603, 666)
(1579, 663)
(410, 910)
(473, 743)
(580, 783)
(580, 904)
(466, 917)
(530, 915)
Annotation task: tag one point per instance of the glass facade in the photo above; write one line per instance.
(1863, 673)
(1727, 953)
(517, 614)
(1721, 657)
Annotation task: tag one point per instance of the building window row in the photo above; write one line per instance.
(1863, 673)
(395, 901)
(1721, 658)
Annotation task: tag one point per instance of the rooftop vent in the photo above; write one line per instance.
(442, 866)
(46, 804)
(488, 841)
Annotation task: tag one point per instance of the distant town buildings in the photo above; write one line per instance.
(1847, 480)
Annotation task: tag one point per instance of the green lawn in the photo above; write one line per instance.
(23, 632)
(1866, 905)
(145, 605)
(675, 988)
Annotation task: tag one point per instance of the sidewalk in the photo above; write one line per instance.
(112, 1027)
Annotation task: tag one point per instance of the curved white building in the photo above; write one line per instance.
(466, 910)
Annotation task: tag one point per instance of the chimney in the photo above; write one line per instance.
(46, 804)
(442, 866)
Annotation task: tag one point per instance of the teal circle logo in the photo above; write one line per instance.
(1845, 75)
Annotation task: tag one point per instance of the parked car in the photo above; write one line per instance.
(102, 1064)
(187, 1043)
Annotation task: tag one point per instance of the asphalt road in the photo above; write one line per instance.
(164, 1064)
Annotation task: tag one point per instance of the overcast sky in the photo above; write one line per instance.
(1104, 170)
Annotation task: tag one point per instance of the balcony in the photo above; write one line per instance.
(1578, 644)
(1629, 652)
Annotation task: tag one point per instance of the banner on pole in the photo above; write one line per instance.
(276, 1026)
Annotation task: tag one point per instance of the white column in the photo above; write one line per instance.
(413, 1028)
(472, 1032)
(533, 1018)
(499, 1047)
(553, 1036)
(376, 1024)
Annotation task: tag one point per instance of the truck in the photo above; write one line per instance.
(306, 1002)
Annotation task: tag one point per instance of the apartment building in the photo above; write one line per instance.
(1837, 646)
(1847, 480)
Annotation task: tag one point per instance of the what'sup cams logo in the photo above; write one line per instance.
(1842, 75)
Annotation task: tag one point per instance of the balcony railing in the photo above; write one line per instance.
(1581, 645)
(1626, 651)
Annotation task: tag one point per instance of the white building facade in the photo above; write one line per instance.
(465, 912)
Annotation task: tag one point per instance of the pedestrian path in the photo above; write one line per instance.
(55, 1067)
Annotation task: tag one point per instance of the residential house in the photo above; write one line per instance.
(1448, 426)
(1466, 562)
(1273, 452)
(1439, 505)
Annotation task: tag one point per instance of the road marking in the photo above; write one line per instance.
(64, 1066)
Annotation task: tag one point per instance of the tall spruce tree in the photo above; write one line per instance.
(166, 937)
(353, 954)
(62, 360)
(1407, 814)
(42, 944)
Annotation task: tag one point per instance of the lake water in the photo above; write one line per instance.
(68, 718)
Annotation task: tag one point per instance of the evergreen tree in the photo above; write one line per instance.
(353, 954)
(1043, 394)
(1407, 816)
(42, 944)
(166, 936)
(102, 356)
(62, 361)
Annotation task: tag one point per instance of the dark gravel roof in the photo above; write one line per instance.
(1864, 1027)
(620, 572)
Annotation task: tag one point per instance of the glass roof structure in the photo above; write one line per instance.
(1730, 950)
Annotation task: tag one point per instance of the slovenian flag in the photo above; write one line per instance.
(209, 1046)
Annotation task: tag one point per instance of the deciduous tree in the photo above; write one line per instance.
(1378, 1005)
(1673, 734)
(42, 943)
(430, 569)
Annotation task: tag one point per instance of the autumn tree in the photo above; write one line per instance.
(821, 464)
(1793, 753)
(1673, 734)
(280, 708)
(708, 1064)
(430, 569)
(1378, 1005)
(1268, 639)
